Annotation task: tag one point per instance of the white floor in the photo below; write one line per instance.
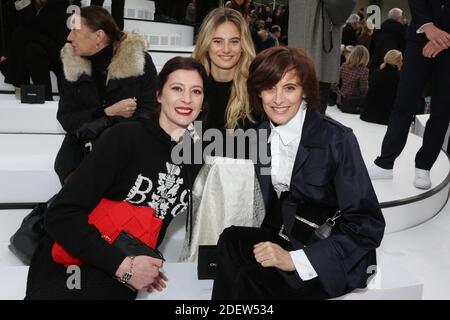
(424, 251)
(370, 137)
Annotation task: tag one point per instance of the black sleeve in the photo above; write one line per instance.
(373, 41)
(402, 38)
(420, 12)
(27, 15)
(147, 93)
(67, 218)
(336, 259)
(69, 114)
(50, 20)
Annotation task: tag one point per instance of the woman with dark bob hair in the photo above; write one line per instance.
(131, 163)
(108, 78)
(323, 220)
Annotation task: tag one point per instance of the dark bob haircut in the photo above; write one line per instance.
(98, 18)
(271, 65)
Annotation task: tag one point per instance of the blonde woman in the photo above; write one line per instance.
(393, 58)
(354, 75)
(383, 89)
(225, 48)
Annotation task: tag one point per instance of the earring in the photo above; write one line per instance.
(96, 45)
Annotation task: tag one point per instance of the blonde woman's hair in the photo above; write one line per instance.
(391, 57)
(359, 57)
(238, 107)
(367, 27)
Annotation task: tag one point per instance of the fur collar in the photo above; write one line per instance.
(128, 60)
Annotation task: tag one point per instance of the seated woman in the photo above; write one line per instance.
(315, 173)
(108, 77)
(132, 162)
(225, 48)
(354, 80)
(383, 89)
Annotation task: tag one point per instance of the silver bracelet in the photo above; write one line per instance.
(127, 275)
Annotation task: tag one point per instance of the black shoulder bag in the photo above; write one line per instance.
(306, 223)
(26, 239)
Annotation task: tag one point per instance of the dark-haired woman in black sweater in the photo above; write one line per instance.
(131, 162)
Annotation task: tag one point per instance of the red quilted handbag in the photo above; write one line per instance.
(110, 218)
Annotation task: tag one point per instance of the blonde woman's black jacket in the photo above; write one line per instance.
(330, 172)
(130, 74)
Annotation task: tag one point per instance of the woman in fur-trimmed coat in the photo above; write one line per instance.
(108, 78)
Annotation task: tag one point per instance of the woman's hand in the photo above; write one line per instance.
(145, 271)
(123, 108)
(269, 254)
(159, 283)
(430, 50)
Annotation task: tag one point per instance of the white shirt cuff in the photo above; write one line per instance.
(21, 4)
(304, 268)
(420, 30)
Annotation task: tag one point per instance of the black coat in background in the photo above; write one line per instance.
(392, 35)
(381, 95)
(131, 74)
(9, 21)
(349, 36)
(425, 11)
(117, 7)
(36, 43)
(204, 7)
(329, 171)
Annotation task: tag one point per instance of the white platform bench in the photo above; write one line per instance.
(17, 117)
(391, 282)
(183, 285)
(26, 167)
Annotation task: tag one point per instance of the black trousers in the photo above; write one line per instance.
(48, 280)
(117, 7)
(239, 276)
(325, 89)
(415, 73)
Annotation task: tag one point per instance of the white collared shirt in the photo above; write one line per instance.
(420, 30)
(284, 141)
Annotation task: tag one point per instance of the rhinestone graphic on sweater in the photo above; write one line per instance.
(164, 196)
